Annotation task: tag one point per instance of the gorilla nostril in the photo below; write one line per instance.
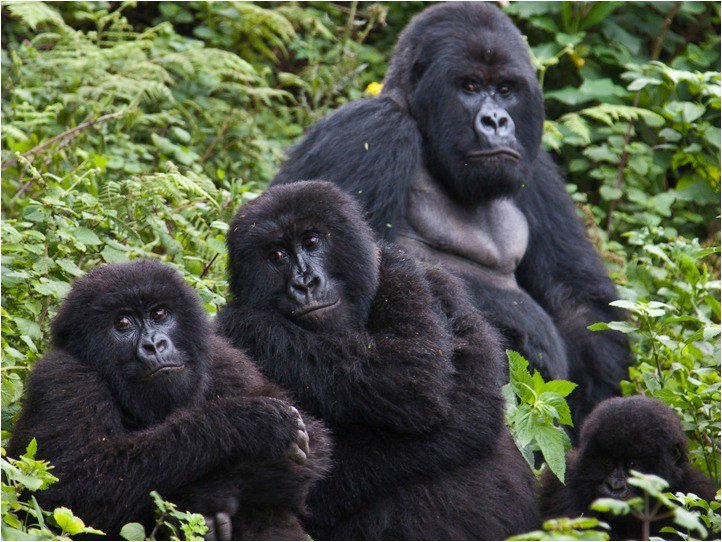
(314, 283)
(503, 122)
(161, 345)
(488, 122)
(299, 287)
(148, 348)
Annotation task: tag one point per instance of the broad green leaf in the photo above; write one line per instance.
(68, 522)
(133, 531)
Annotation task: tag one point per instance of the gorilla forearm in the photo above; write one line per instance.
(387, 382)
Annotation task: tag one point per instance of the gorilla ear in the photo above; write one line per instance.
(678, 454)
(417, 71)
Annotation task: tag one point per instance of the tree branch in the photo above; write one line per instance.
(67, 134)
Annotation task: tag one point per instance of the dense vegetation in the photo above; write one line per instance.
(136, 130)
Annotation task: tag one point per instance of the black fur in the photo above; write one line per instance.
(212, 437)
(637, 433)
(375, 148)
(410, 389)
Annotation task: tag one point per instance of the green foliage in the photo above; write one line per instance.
(673, 300)
(581, 528)
(22, 516)
(535, 411)
(171, 523)
(654, 504)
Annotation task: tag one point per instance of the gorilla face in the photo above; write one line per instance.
(304, 251)
(144, 330)
(624, 434)
(304, 288)
(465, 73)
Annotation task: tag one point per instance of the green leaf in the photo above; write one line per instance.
(86, 236)
(133, 531)
(614, 506)
(68, 522)
(689, 520)
(32, 449)
(562, 387)
(552, 442)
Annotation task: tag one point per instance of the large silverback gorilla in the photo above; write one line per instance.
(393, 357)
(138, 395)
(446, 162)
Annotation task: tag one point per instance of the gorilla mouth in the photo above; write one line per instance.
(162, 369)
(504, 152)
(315, 307)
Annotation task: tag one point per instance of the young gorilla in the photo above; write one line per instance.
(637, 433)
(393, 357)
(139, 395)
(447, 163)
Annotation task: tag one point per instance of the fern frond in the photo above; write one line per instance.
(34, 14)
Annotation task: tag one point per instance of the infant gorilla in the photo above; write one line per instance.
(138, 395)
(392, 357)
(622, 434)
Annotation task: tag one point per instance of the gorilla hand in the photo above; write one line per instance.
(291, 430)
(220, 526)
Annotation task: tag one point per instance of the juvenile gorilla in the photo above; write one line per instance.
(637, 433)
(446, 162)
(393, 357)
(139, 395)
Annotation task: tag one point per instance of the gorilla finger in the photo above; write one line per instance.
(223, 526)
(211, 524)
(303, 441)
(297, 454)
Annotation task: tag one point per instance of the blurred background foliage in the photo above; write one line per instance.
(135, 129)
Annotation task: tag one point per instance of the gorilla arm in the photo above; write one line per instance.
(369, 148)
(563, 272)
(471, 431)
(396, 374)
(263, 482)
(106, 471)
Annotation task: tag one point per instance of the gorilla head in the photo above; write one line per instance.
(622, 434)
(463, 71)
(143, 328)
(312, 270)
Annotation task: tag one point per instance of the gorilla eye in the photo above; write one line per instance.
(631, 464)
(504, 89)
(122, 323)
(277, 256)
(471, 86)
(159, 313)
(310, 242)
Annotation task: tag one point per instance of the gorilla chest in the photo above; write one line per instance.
(491, 238)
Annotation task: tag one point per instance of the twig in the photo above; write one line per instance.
(207, 267)
(72, 132)
(656, 51)
(622, 165)
(216, 139)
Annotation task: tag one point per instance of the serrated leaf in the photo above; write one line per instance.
(562, 387)
(551, 442)
(32, 449)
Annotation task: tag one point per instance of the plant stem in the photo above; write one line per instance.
(72, 132)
